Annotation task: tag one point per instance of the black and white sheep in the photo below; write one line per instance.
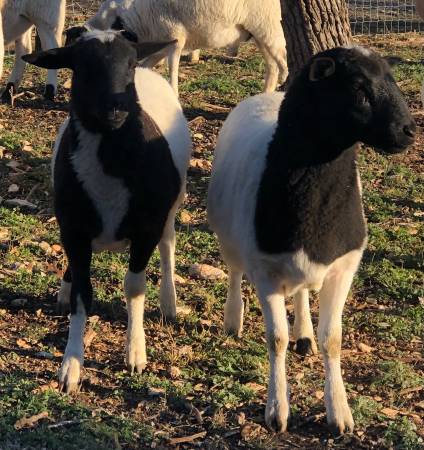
(19, 18)
(119, 172)
(285, 202)
(197, 24)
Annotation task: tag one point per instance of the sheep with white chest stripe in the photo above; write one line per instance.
(19, 18)
(204, 24)
(285, 202)
(119, 176)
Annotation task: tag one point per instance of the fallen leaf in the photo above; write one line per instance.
(67, 84)
(255, 386)
(389, 412)
(88, 338)
(179, 280)
(250, 431)
(155, 392)
(56, 248)
(185, 217)
(29, 422)
(22, 344)
(174, 372)
(206, 272)
(191, 438)
(319, 394)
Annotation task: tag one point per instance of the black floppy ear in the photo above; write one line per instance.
(393, 60)
(321, 67)
(145, 49)
(73, 34)
(56, 58)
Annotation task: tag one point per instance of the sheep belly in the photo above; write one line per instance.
(217, 36)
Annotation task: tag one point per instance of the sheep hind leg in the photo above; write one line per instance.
(332, 298)
(271, 70)
(303, 330)
(174, 64)
(64, 294)
(49, 40)
(168, 296)
(234, 306)
(22, 47)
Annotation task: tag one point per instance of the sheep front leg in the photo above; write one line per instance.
(277, 336)
(332, 298)
(79, 256)
(303, 330)
(135, 292)
(234, 306)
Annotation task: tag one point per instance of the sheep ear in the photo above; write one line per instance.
(321, 67)
(56, 58)
(74, 33)
(146, 49)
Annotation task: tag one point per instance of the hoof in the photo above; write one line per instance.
(276, 417)
(304, 347)
(137, 368)
(69, 375)
(49, 92)
(6, 97)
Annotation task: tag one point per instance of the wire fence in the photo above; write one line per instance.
(384, 16)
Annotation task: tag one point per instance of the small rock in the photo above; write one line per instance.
(365, 348)
(20, 202)
(45, 355)
(198, 136)
(371, 300)
(206, 272)
(19, 302)
(13, 188)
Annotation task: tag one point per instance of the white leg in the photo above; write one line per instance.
(234, 306)
(332, 298)
(168, 296)
(135, 290)
(73, 359)
(271, 71)
(174, 64)
(22, 47)
(49, 40)
(303, 330)
(277, 336)
(195, 56)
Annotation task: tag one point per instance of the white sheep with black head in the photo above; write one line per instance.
(19, 18)
(195, 24)
(120, 164)
(285, 202)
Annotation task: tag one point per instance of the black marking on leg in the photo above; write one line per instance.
(49, 92)
(303, 346)
(10, 89)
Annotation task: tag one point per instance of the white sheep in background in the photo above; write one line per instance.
(120, 164)
(203, 24)
(420, 10)
(19, 18)
(285, 202)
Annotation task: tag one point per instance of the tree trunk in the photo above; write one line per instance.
(311, 26)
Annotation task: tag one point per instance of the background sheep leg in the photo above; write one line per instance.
(303, 330)
(174, 63)
(49, 39)
(277, 336)
(332, 298)
(234, 306)
(23, 46)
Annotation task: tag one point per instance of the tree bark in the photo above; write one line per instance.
(311, 26)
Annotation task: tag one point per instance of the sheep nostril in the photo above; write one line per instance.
(408, 131)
